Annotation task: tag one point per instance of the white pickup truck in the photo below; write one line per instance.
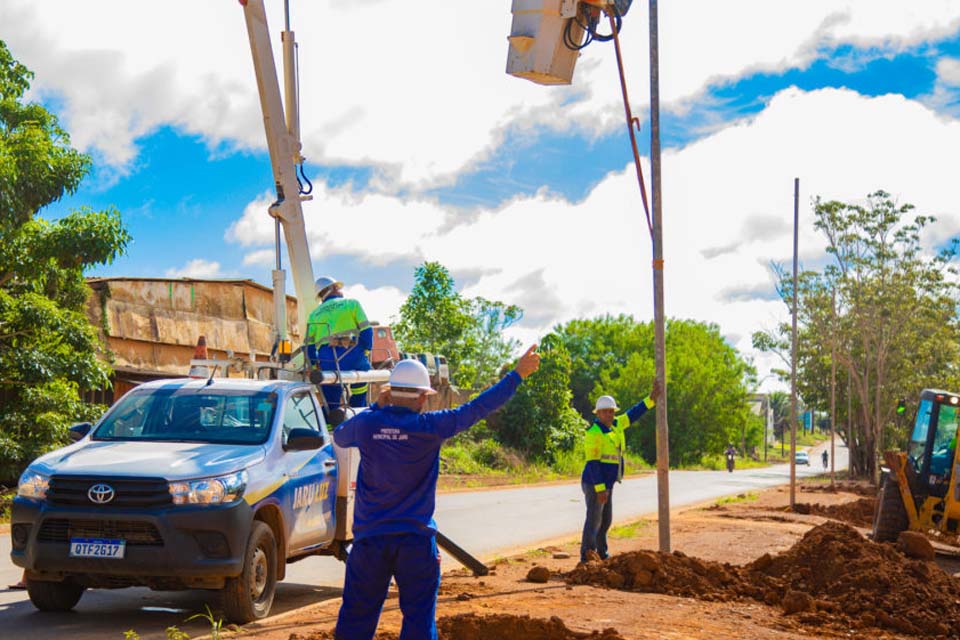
(187, 484)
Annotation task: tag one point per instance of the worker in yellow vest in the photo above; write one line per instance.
(603, 445)
(339, 338)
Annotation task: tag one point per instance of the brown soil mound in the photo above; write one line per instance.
(859, 512)
(469, 626)
(860, 488)
(673, 574)
(865, 582)
(833, 576)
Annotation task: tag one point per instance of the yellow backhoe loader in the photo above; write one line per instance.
(920, 487)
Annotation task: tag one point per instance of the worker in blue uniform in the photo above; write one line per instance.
(339, 338)
(604, 443)
(393, 527)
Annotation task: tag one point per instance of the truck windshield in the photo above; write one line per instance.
(219, 417)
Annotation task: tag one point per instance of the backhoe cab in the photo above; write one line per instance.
(920, 488)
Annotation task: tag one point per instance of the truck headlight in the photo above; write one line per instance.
(33, 485)
(219, 490)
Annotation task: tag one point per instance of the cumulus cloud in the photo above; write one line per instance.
(430, 98)
(560, 260)
(196, 268)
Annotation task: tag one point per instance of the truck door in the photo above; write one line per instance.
(312, 478)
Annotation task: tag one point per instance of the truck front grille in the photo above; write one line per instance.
(137, 534)
(128, 492)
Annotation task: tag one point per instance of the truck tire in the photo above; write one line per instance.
(248, 597)
(54, 596)
(890, 518)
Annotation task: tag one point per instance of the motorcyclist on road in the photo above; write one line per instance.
(730, 454)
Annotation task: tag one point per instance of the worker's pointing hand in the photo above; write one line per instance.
(657, 391)
(529, 362)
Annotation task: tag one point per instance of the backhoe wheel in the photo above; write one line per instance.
(248, 596)
(890, 517)
(54, 596)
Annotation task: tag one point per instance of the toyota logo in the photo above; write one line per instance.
(101, 493)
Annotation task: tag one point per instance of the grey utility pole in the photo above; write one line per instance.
(663, 432)
(833, 383)
(793, 356)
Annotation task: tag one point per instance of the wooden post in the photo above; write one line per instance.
(663, 432)
(793, 357)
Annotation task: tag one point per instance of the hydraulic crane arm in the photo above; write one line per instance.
(284, 146)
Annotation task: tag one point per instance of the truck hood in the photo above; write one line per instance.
(170, 460)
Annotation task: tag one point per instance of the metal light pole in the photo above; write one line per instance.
(793, 357)
(663, 432)
(833, 384)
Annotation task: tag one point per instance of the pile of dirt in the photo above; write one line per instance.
(869, 584)
(672, 574)
(832, 577)
(469, 626)
(859, 512)
(860, 488)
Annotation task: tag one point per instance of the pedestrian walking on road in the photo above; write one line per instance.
(826, 458)
(393, 528)
(603, 447)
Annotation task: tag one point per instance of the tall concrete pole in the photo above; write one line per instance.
(663, 432)
(833, 384)
(793, 356)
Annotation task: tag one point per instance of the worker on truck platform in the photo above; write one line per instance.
(393, 528)
(603, 447)
(339, 338)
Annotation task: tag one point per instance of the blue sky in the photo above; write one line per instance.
(423, 163)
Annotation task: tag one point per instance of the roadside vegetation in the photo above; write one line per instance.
(48, 348)
(6, 501)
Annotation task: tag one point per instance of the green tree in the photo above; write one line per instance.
(706, 382)
(893, 328)
(539, 420)
(48, 350)
(435, 318)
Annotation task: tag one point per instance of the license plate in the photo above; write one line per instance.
(97, 548)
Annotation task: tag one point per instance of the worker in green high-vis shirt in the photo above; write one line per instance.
(603, 446)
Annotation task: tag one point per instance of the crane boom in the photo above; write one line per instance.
(284, 147)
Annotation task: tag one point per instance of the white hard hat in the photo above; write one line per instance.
(605, 402)
(325, 282)
(410, 374)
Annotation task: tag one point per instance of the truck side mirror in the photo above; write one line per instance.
(303, 439)
(79, 431)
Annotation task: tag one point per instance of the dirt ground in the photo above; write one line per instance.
(742, 559)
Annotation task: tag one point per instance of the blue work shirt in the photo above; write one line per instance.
(400, 459)
(597, 472)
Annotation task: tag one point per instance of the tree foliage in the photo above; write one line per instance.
(48, 350)
(435, 318)
(892, 330)
(539, 419)
(707, 382)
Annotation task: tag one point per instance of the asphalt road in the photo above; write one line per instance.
(487, 523)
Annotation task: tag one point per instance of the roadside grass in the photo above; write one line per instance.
(6, 502)
(629, 530)
(750, 496)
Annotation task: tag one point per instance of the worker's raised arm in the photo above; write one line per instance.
(345, 435)
(451, 422)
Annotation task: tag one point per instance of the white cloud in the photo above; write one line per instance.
(196, 268)
(948, 72)
(420, 94)
(260, 258)
(381, 304)
(732, 190)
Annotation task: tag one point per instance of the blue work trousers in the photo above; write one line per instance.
(597, 522)
(413, 560)
(333, 394)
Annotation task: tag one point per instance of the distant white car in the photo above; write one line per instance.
(802, 457)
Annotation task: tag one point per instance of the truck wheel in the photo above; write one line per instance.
(248, 596)
(54, 596)
(890, 518)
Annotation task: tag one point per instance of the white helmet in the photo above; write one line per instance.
(410, 374)
(325, 282)
(605, 402)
